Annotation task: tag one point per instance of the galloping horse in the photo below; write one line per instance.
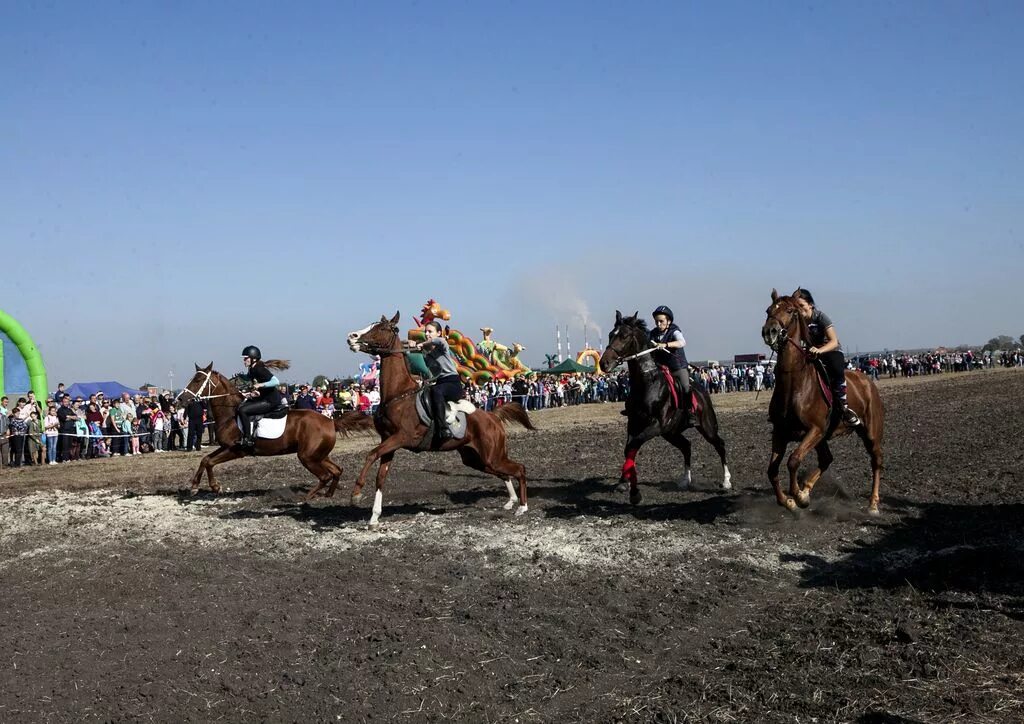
(307, 433)
(650, 410)
(799, 412)
(482, 447)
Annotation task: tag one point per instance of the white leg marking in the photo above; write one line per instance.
(378, 503)
(521, 509)
(686, 480)
(512, 498)
(726, 478)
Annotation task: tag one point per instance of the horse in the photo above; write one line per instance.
(650, 408)
(307, 433)
(799, 412)
(481, 448)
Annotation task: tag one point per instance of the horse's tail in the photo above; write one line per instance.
(353, 421)
(514, 412)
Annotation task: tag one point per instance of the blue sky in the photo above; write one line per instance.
(183, 179)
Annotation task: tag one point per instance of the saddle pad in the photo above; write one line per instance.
(671, 382)
(269, 428)
(456, 417)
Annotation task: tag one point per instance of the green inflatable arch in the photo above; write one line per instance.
(33, 360)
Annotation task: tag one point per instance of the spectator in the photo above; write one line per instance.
(66, 417)
(51, 428)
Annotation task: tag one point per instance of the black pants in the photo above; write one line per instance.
(195, 434)
(18, 450)
(67, 436)
(251, 408)
(835, 367)
(446, 389)
(176, 434)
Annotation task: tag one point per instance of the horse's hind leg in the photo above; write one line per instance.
(824, 461)
(500, 466)
(320, 471)
(335, 475)
(680, 443)
(710, 434)
(873, 444)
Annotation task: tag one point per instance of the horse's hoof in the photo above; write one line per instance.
(635, 497)
(509, 505)
(622, 487)
(726, 485)
(193, 491)
(520, 510)
(803, 499)
(790, 505)
(356, 498)
(873, 510)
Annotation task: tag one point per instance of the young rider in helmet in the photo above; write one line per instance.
(446, 385)
(671, 353)
(825, 345)
(264, 396)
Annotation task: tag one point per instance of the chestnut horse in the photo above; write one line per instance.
(482, 448)
(650, 410)
(307, 433)
(799, 413)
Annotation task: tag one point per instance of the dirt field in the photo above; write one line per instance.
(125, 599)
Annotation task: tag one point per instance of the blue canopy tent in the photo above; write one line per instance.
(110, 390)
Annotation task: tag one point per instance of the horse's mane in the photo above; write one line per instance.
(635, 323)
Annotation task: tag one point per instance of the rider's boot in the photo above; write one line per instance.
(849, 416)
(682, 379)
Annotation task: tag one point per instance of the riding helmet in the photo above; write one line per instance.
(805, 294)
(252, 352)
(664, 310)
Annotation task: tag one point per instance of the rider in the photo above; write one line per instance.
(825, 345)
(446, 385)
(669, 340)
(264, 395)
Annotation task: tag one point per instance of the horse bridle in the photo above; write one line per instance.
(784, 336)
(367, 349)
(199, 395)
(619, 359)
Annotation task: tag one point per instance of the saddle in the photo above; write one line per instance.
(269, 425)
(674, 390)
(454, 420)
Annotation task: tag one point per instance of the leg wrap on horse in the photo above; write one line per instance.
(629, 467)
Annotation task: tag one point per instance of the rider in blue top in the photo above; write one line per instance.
(671, 353)
(264, 396)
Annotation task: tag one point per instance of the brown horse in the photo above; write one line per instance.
(482, 448)
(307, 433)
(799, 413)
(651, 411)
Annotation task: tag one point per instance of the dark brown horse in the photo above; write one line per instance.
(307, 433)
(799, 412)
(651, 410)
(482, 448)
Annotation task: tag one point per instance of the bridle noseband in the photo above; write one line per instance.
(199, 395)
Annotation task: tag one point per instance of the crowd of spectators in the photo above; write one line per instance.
(62, 429)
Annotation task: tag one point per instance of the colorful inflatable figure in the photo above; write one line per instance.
(477, 363)
(593, 354)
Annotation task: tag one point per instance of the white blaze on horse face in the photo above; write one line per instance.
(354, 337)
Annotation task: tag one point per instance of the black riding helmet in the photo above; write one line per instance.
(664, 310)
(252, 352)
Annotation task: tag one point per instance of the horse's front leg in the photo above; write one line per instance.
(378, 496)
(217, 457)
(629, 474)
(810, 441)
(774, 463)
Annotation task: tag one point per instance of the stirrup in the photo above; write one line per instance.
(850, 417)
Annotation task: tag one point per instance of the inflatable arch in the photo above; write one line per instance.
(592, 354)
(33, 360)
